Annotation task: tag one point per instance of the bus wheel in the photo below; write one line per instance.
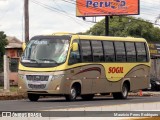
(123, 94)
(33, 97)
(87, 97)
(73, 94)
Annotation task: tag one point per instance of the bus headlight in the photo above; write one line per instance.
(54, 77)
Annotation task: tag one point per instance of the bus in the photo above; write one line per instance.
(72, 65)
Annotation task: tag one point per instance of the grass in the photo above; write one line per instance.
(12, 95)
(12, 88)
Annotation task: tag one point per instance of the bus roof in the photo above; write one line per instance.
(111, 38)
(93, 37)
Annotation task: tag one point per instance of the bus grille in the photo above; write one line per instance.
(32, 86)
(37, 77)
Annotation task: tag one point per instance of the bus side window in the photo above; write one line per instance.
(141, 52)
(120, 52)
(86, 51)
(75, 56)
(109, 51)
(131, 51)
(97, 51)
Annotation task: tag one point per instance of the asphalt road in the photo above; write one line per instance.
(60, 103)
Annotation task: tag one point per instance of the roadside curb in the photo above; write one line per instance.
(144, 93)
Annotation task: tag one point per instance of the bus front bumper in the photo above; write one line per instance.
(51, 85)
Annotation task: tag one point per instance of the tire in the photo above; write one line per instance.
(33, 97)
(73, 94)
(87, 97)
(123, 94)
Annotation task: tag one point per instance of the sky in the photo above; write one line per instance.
(50, 16)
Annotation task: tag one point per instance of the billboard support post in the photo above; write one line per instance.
(106, 25)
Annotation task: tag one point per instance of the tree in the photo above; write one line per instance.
(3, 43)
(127, 26)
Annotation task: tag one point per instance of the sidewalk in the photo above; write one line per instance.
(110, 112)
(148, 108)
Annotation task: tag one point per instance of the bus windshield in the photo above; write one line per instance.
(45, 52)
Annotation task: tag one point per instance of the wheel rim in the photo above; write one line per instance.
(124, 91)
(73, 93)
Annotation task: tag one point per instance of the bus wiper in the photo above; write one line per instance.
(33, 60)
(50, 60)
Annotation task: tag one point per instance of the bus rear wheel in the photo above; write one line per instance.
(123, 94)
(73, 94)
(87, 97)
(33, 97)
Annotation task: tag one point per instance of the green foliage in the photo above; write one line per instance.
(127, 26)
(3, 43)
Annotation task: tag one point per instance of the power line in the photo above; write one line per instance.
(55, 10)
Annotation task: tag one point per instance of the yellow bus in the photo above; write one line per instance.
(72, 65)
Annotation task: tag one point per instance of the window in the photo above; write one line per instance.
(75, 55)
(14, 65)
(46, 51)
(120, 52)
(97, 51)
(86, 51)
(131, 52)
(141, 52)
(109, 51)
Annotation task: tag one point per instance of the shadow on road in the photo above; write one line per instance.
(61, 99)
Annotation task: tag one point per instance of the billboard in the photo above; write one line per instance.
(106, 7)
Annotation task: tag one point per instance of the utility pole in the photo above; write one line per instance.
(106, 25)
(26, 20)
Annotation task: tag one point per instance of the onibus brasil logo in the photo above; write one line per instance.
(114, 4)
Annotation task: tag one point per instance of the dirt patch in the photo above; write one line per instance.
(12, 96)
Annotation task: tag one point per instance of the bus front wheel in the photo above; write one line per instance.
(123, 94)
(73, 94)
(33, 97)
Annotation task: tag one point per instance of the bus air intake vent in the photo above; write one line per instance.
(33, 86)
(37, 77)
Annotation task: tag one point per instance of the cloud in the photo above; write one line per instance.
(11, 20)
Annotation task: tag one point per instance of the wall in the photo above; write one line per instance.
(13, 54)
(155, 68)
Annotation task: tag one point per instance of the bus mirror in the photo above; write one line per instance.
(75, 46)
(23, 46)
